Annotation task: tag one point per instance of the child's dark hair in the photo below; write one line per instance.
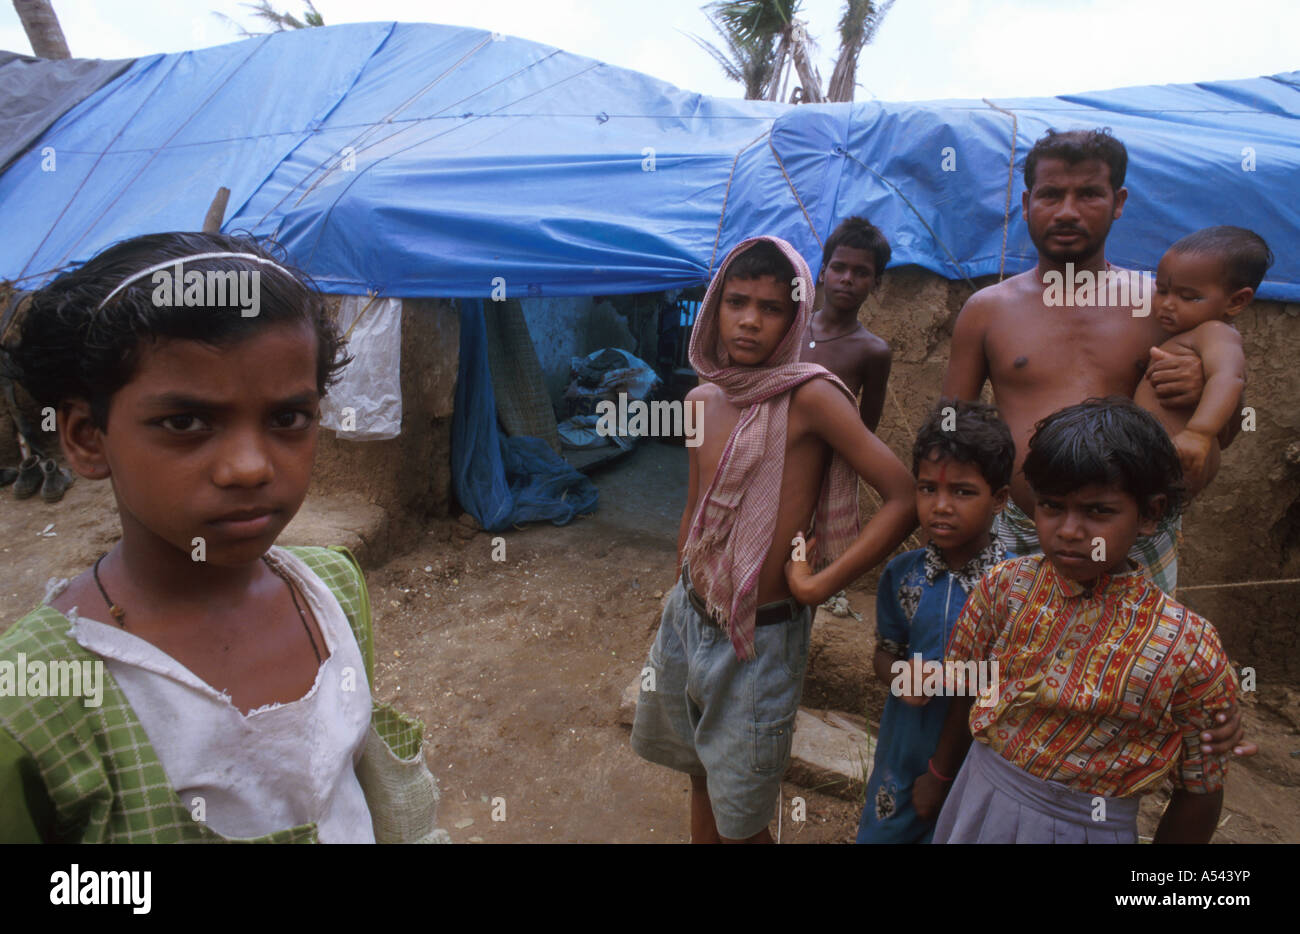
(69, 347)
(1107, 442)
(969, 432)
(764, 258)
(1244, 254)
(1078, 146)
(858, 233)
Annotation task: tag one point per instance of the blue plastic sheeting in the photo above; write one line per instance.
(934, 176)
(35, 92)
(414, 160)
(432, 161)
(503, 481)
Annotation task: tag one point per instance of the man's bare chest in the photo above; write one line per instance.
(1108, 348)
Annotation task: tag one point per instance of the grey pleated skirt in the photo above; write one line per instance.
(993, 801)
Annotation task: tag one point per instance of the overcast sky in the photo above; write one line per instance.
(926, 49)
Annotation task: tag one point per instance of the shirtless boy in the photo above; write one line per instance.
(1204, 281)
(1041, 358)
(780, 442)
(853, 260)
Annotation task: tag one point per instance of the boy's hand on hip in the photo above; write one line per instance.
(928, 794)
(799, 576)
(1228, 736)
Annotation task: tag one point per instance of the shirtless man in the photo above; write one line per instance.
(853, 260)
(1042, 357)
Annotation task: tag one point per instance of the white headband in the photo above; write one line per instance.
(187, 259)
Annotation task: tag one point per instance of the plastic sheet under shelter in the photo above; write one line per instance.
(504, 481)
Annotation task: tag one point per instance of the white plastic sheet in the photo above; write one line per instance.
(366, 403)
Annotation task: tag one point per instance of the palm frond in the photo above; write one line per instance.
(236, 26)
(744, 59)
(860, 20)
(755, 19)
(729, 68)
(280, 22)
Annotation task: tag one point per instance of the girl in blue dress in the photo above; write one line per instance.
(962, 462)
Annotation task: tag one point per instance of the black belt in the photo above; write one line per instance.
(769, 614)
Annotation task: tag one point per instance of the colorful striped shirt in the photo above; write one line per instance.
(1104, 688)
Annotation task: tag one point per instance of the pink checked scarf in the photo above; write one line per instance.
(736, 518)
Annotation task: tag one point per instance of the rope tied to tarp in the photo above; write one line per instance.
(374, 297)
(1011, 178)
(369, 130)
(937, 239)
(794, 191)
(725, 196)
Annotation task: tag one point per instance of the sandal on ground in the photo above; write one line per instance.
(57, 481)
(29, 479)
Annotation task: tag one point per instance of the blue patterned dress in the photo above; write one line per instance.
(917, 603)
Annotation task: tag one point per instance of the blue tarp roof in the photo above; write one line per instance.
(423, 160)
(934, 176)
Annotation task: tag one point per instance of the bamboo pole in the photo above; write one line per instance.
(216, 211)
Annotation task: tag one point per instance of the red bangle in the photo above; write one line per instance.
(935, 772)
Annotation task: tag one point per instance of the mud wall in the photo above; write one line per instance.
(1244, 528)
(409, 476)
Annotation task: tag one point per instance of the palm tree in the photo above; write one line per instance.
(748, 61)
(858, 28)
(41, 24)
(766, 40)
(279, 22)
(802, 46)
(772, 23)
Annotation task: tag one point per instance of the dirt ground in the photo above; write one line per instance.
(517, 667)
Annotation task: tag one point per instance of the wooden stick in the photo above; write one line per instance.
(216, 211)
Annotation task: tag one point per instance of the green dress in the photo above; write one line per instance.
(76, 774)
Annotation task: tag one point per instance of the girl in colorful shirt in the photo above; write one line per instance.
(1105, 682)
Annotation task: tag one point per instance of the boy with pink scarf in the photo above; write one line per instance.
(782, 448)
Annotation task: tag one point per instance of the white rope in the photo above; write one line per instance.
(1283, 580)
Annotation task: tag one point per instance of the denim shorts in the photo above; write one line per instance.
(711, 714)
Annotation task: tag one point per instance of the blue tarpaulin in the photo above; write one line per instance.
(934, 176)
(423, 160)
(414, 160)
(436, 161)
